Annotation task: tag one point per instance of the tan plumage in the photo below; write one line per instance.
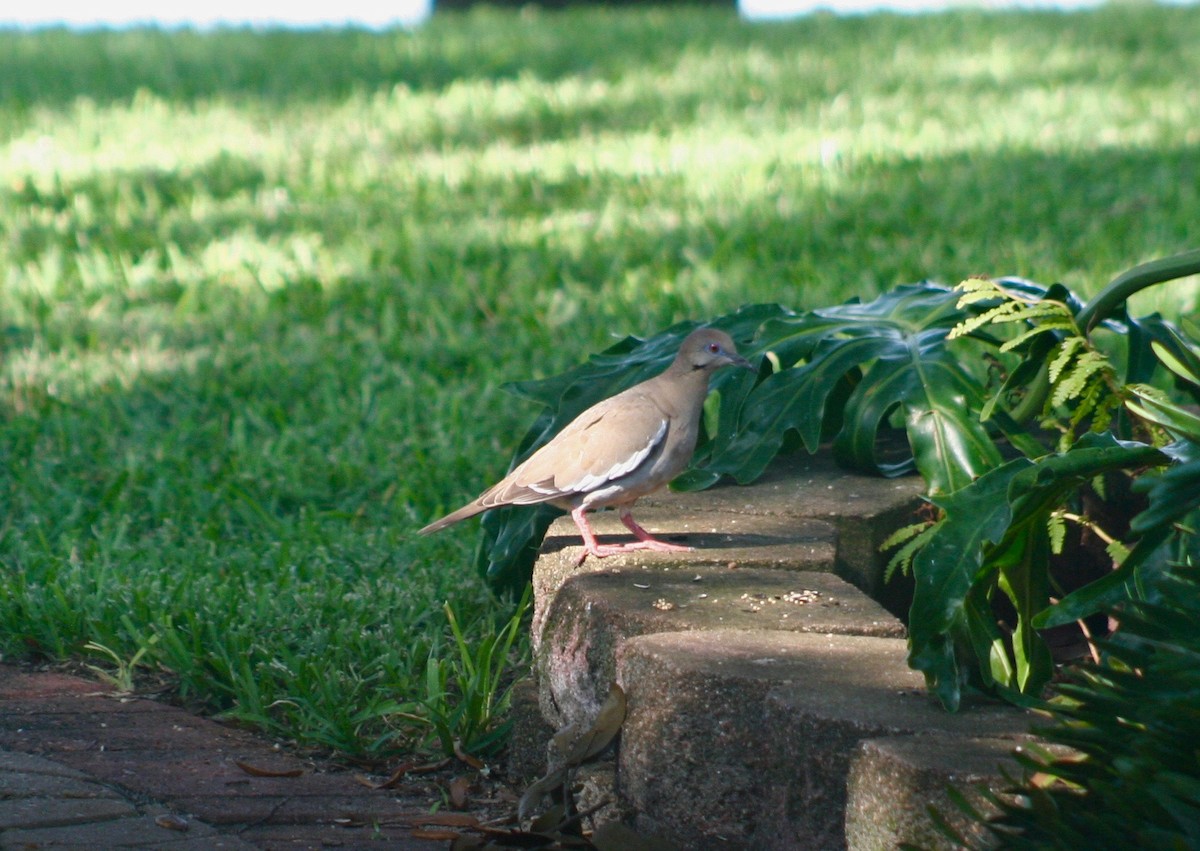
(619, 449)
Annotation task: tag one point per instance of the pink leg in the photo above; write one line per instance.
(644, 539)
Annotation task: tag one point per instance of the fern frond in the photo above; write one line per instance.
(1008, 311)
(902, 534)
(1065, 352)
(978, 289)
(1117, 551)
(916, 535)
(1056, 526)
(1078, 382)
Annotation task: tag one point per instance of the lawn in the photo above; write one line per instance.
(261, 289)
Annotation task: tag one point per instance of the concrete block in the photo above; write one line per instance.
(895, 779)
(728, 541)
(857, 695)
(576, 640)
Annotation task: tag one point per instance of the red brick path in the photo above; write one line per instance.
(82, 767)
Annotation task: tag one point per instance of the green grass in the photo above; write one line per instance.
(260, 289)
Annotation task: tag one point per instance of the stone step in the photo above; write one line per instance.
(744, 738)
(853, 514)
(863, 510)
(893, 781)
(581, 615)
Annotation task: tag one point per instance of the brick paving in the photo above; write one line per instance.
(84, 768)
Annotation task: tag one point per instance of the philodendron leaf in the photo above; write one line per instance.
(1174, 493)
(1025, 580)
(892, 353)
(789, 399)
(1174, 502)
(945, 571)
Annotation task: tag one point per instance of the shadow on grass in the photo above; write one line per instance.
(498, 264)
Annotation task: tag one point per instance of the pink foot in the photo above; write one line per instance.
(645, 541)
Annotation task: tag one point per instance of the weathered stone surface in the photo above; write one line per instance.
(718, 750)
(594, 611)
(53, 811)
(382, 835)
(595, 788)
(17, 784)
(863, 509)
(818, 725)
(133, 832)
(893, 779)
(234, 809)
(28, 685)
(211, 772)
(31, 764)
(732, 540)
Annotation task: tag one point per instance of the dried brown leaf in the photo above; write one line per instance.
(597, 737)
(255, 771)
(540, 789)
(473, 761)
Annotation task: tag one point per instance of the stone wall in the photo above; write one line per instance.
(769, 703)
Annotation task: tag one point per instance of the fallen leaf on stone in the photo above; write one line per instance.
(395, 777)
(549, 820)
(540, 789)
(171, 821)
(255, 771)
(572, 747)
(603, 730)
(401, 770)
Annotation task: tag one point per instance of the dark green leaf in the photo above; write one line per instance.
(944, 572)
(997, 525)
(1024, 577)
(893, 352)
(1175, 492)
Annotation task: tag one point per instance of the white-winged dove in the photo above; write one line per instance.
(619, 449)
